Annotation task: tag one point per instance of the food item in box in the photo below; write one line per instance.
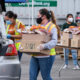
(67, 30)
(76, 32)
(39, 29)
(73, 30)
(36, 27)
(33, 27)
(72, 27)
(79, 27)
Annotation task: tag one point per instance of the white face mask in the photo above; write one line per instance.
(70, 19)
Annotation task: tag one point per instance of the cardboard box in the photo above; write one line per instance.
(30, 42)
(76, 36)
(66, 39)
(66, 42)
(44, 38)
(75, 42)
(67, 35)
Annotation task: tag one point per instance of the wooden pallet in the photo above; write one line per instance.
(62, 56)
(70, 56)
(59, 50)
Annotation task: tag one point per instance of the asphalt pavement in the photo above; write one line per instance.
(67, 74)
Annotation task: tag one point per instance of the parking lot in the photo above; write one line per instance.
(67, 74)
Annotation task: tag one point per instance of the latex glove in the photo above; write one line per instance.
(19, 30)
(41, 47)
(8, 36)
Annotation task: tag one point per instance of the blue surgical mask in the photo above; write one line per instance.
(8, 22)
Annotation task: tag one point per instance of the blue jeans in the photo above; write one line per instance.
(19, 55)
(74, 56)
(43, 65)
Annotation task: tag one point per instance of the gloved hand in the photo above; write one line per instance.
(8, 36)
(19, 30)
(41, 47)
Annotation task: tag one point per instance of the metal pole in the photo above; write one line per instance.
(32, 10)
(74, 10)
(29, 13)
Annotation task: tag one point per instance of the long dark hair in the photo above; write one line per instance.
(50, 16)
(10, 14)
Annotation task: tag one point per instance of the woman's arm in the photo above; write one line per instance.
(16, 36)
(52, 43)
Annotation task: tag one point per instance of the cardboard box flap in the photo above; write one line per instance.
(44, 37)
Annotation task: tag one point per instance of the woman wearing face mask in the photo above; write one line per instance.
(69, 22)
(43, 63)
(13, 29)
(67, 51)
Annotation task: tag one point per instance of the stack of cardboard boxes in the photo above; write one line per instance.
(72, 40)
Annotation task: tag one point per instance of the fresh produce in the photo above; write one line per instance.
(72, 27)
(36, 27)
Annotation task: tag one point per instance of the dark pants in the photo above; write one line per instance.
(44, 65)
(19, 55)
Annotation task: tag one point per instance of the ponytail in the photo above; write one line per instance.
(15, 16)
(53, 17)
(54, 22)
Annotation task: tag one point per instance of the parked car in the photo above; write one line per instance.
(9, 63)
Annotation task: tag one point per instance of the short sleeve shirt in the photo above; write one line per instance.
(66, 25)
